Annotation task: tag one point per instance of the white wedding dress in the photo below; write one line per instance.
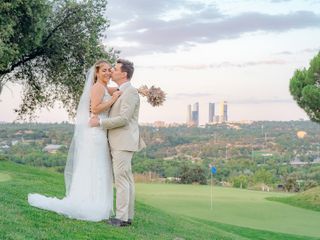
(88, 173)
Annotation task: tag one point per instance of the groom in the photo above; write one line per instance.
(124, 140)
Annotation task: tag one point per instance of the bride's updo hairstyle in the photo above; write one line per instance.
(97, 66)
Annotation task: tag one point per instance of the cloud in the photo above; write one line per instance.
(261, 101)
(165, 26)
(232, 100)
(279, 1)
(285, 53)
(217, 65)
(192, 95)
(145, 9)
(311, 50)
(306, 50)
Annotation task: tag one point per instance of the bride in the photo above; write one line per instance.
(88, 171)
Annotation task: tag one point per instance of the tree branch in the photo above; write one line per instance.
(38, 51)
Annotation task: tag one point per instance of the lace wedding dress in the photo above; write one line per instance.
(88, 172)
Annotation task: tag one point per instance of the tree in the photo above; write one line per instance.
(240, 181)
(47, 47)
(192, 174)
(290, 182)
(305, 88)
(262, 176)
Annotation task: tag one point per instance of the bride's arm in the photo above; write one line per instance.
(111, 90)
(141, 91)
(97, 106)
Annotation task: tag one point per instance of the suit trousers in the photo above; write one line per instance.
(124, 183)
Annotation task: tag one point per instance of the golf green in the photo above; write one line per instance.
(233, 206)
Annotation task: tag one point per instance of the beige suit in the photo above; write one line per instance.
(124, 140)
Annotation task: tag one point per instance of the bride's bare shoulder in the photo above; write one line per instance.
(97, 88)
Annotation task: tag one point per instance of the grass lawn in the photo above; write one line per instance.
(4, 177)
(18, 220)
(233, 206)
(309, 199)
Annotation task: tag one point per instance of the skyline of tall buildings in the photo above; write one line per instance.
(193, 113)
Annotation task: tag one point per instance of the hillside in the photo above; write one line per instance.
(20, 221)
(309, 199)
(245, 155)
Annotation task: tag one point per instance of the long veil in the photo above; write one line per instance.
(81, 128)
(88, 171)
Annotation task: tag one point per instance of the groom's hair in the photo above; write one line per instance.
(126, 66)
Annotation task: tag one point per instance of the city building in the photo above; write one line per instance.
(193, 115)
(189, 115)
(159, 124)
(211, 112)
(52, 148)
(223, 112)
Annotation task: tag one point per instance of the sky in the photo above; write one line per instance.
(242, 52)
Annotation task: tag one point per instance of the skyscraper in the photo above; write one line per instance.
(211, 112)
(195, 114)
(189, 115)
(223, 111)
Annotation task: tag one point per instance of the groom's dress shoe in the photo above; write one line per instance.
(129, 222)
(118, 223)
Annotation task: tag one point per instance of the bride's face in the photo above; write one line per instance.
(104, 73)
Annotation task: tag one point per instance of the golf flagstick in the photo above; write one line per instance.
(213, 170)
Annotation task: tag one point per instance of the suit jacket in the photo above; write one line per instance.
(122, 124)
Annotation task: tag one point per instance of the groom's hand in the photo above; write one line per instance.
(94, 121)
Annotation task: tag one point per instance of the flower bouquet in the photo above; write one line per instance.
(155, 95)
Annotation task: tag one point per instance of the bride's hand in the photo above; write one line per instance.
(116, 95)
(94, 121)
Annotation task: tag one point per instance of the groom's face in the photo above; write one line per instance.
(117, 74)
